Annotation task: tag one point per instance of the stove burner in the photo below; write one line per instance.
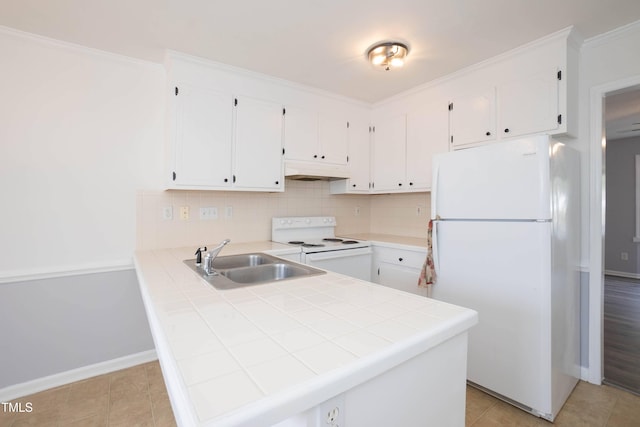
(312, 245)
(331, 239)
(296, 242)
(349, 242)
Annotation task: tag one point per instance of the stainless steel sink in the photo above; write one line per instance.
(265, 273)
(244, 260)
(234, 271)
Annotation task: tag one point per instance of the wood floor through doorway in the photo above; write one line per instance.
(622, 332)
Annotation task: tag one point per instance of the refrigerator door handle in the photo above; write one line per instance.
(434, 247)
(434, 189)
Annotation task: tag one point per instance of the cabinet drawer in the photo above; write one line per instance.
(405, 257)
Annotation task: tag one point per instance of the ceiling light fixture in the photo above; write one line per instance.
(388, 55)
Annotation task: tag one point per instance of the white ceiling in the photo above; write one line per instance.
(320, 43)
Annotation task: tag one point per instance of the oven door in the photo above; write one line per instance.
(350, 262)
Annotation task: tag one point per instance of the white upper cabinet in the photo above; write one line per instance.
(533, 90)
(332, 139)
(230, 130)
(258, 145)
(404, 146)
(300, 134)
(359, 157)
(359, 161)
(277, 129)
(203, 126)
(427, 135)
(389, 154)
(530, 103)
(225, 143)
(218, 139)
(472, 118)
(314, 137)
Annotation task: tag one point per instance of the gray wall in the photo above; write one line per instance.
(621, 205)
(584, 319)
(55, 325)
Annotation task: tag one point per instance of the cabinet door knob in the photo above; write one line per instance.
(315, 156)
(226, 180)
(353, 185)
(506, 130)
(488, 133)
(400, 184)
(277, 182)
(322, 157)
(400, 259)
(411, 183)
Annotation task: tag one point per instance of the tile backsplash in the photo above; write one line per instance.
(405, 214)
(252, 213)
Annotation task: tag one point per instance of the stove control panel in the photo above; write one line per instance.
(303, 222)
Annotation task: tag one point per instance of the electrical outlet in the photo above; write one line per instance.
(228, 211)
(331, 412)
(332, 415)
(624, 256)
(167, 213)
(209, 213)
(419, 210)
(184, 212)
(356, 212)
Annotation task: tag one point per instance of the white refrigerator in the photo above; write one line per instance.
(506, 243)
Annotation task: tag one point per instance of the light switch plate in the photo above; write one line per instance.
(167, 213)
(208, 213)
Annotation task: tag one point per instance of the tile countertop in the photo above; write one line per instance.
(401, 242)
(258, 355)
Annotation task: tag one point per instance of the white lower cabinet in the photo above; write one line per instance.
(398, 268)
(396, 396)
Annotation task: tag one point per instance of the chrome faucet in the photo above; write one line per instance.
(211, 255)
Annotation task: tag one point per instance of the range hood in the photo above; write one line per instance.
(307, 171)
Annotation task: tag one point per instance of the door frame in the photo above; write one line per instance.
(597, 206)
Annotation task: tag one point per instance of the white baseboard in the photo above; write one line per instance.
(622, 274)
(584, 373)
(34, 386)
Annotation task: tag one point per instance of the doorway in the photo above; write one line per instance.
(621, 192)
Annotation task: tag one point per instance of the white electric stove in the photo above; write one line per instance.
(320, 247)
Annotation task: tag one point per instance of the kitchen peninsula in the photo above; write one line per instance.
(288, 353)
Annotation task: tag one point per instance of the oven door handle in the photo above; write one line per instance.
(341, 253)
